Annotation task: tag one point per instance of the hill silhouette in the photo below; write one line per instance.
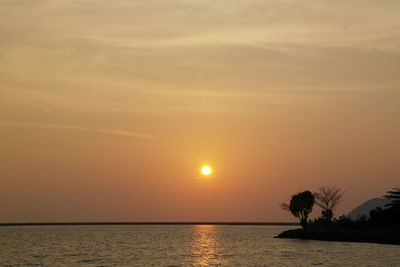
(365, 208)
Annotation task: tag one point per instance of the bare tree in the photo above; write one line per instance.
(327, 198)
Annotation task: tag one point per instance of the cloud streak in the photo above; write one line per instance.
(78, 128)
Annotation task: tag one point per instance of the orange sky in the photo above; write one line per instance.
(109, 108)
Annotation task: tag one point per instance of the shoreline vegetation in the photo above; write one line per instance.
(382, 226)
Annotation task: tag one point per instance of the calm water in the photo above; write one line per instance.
(180, 246)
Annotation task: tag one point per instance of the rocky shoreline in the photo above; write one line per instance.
(386, 236)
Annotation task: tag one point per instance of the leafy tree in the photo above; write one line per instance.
(390, 214)
(300, 206)
(327, 198)
(394, 195)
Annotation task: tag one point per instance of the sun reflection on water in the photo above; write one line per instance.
(206, 247)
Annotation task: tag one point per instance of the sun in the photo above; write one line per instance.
(206, 170)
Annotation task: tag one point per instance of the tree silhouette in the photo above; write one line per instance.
(327, 198)
(300, 206)
(393, 195)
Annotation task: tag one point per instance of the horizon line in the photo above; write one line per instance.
(144, 223)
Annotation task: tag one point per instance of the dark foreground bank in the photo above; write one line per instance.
(390, 235)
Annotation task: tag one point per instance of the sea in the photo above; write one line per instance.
(180, 245)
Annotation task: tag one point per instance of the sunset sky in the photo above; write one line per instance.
(109, 109)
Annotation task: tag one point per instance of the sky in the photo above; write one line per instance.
(108, 109)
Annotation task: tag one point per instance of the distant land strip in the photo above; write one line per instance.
(147, 223)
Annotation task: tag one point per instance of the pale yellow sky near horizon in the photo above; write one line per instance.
(109, 108)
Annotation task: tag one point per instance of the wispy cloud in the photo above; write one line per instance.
(78, 128)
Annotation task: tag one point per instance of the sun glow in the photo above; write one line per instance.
(206, 170)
